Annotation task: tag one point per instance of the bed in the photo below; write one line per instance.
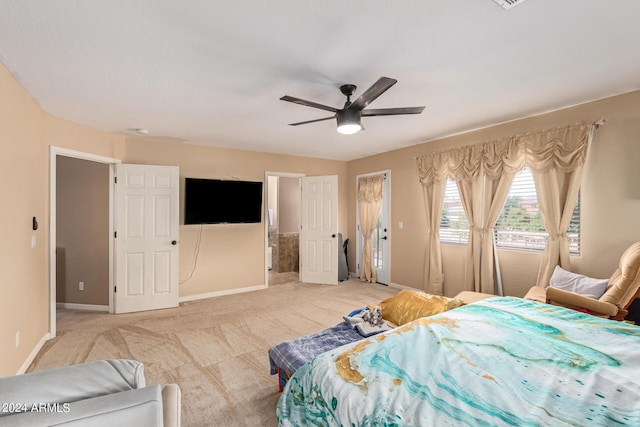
(407, 305)
(501, 361)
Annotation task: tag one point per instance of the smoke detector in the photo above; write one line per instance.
(508, 4)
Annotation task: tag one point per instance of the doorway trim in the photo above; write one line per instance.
(54, 152)
(267, 174)
(387, 203)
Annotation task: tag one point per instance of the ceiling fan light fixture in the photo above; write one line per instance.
(349, 117)
(348, 121)
(349, 128)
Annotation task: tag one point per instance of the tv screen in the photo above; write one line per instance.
(214, 201)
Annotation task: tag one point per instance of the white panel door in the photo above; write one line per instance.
(146, 237)
(319, 230)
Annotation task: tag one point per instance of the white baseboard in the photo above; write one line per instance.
(33, 354)
(221, 293)
(398, 286)
(88, 307)
(352, 275)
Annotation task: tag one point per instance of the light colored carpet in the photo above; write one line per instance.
(214, 349)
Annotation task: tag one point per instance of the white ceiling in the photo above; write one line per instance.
(212, 72)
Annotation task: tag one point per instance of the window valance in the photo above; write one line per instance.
(562, 148)
(370, 189)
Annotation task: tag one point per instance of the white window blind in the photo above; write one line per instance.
(454, 225)
(520, 225)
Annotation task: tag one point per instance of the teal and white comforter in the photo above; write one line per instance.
(499, 362)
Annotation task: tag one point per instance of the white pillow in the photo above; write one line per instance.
(572, 282)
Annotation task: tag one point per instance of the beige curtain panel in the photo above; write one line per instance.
(369, 203)
(433, 201)
(433, 171)
(482, 199)
(483, 173)
(557, 158)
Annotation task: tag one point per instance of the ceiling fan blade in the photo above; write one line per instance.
(308, 103)
(392, 111)
(312, 121)
(374, 91)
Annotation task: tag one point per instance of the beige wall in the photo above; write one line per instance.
(68, 135)
(610, 203)
(25, 135)
(289, 205)
(82, 231)
(232, 256)
(23, 270)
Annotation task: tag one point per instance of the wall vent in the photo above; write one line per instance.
(508, 4)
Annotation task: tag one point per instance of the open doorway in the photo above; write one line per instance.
(75, 178)
(82, 234)
(282, 227)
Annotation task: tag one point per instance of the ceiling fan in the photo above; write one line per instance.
(349, 116)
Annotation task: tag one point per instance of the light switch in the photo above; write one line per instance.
(33, 241)
(401, 225)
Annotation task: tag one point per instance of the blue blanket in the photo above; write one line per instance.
(498, 362)
(291, 355)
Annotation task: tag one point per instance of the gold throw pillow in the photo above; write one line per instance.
(407, 306)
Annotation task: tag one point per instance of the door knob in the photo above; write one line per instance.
(333, 236)
(174, 242)
(384, 237)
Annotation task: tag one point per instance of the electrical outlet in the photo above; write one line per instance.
(17, 339)
(81, 286)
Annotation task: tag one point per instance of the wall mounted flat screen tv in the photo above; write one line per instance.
(214, 201)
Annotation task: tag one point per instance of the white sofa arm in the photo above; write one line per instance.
(171, 405)
(140, 407)
(72, 383)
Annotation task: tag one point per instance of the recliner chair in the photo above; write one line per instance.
(622, 289)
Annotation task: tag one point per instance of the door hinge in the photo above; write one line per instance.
(115, 179)
(115, 234)
(115, 289)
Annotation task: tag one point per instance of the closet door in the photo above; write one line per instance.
(146, 238)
